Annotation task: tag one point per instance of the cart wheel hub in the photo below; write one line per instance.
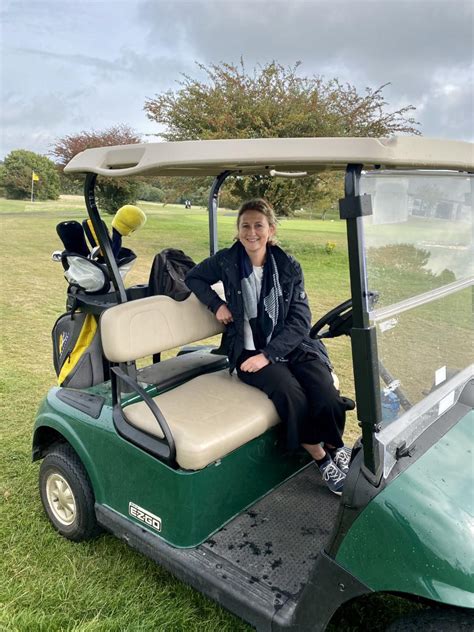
(61, 499)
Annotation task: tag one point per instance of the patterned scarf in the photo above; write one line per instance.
(264, 312)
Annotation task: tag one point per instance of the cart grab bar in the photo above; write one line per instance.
(121, 376)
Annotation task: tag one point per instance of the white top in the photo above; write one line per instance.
(261, 155)
(248, 337)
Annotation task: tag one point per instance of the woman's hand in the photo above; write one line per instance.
(255, 363)
(224, 315)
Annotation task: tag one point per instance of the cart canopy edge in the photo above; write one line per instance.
(259, 156)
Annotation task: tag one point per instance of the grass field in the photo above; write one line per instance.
(48, 583)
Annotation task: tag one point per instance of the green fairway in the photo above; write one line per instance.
(51, 584)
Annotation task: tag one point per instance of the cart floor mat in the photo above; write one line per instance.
(275, 542)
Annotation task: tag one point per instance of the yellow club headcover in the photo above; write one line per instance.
(128, 219)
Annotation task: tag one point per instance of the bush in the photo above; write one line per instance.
(150, 193)
(17, 172)
(71, 185)
(329, 247)
(228, 200)
(2, 186)
(112, 194)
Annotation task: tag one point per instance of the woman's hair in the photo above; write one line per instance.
(262, 206)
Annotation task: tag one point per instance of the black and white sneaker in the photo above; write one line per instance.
(342, 458)
(332, 476)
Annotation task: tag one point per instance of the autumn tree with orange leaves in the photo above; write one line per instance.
(111, 193)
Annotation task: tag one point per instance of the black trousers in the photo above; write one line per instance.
(305, 397)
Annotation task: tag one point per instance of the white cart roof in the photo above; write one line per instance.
(258, 156)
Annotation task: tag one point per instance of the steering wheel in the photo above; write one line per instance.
(337, 322)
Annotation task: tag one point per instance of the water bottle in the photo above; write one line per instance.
(390, 406)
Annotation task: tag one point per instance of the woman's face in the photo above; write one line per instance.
(254, 231)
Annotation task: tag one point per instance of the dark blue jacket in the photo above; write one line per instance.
(291, 335)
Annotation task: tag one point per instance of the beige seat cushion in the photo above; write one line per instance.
(150, 325)
(209, 417)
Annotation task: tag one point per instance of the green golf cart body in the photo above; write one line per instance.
(235, 516)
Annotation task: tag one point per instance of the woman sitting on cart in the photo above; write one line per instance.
(267, 320)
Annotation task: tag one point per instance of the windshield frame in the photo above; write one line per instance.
(380, 443)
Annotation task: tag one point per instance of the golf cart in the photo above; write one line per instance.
(186, 464)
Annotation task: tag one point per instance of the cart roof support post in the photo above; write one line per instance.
(353, 207)
(104, 241)
(212, 209)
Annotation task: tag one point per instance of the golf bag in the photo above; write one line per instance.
(90, 275)
(168, 273)
(85, 269)
(77, 350)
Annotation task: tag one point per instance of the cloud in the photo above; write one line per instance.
(52, 108)
(69, 65)
(367, 43)
(34, 122)
(127, 62)
(75, 59)
(382, 33)
(449, 104)
(84, 78)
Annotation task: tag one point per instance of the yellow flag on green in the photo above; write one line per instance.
(35, 177)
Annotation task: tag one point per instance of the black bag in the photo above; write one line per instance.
(77, 350)
(168, 272)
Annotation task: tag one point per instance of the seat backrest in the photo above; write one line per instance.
(150, 325)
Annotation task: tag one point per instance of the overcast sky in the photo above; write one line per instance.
(73, 65)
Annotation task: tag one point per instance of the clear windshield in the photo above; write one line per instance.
(420, 271)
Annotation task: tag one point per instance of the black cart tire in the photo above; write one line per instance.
(435, 621)
(67, 495)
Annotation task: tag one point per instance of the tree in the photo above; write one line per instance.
(17, 171)
(111, 193)
(273, 102)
